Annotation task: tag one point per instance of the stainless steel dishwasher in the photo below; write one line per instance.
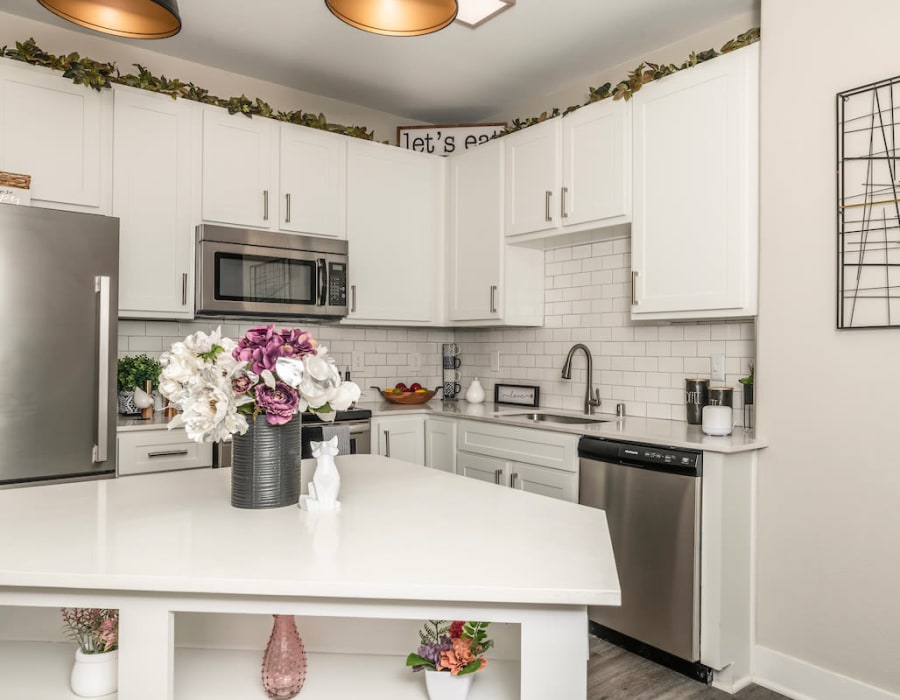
(651, 496)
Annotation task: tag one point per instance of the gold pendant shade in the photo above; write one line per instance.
(134, 19)
(395, 17)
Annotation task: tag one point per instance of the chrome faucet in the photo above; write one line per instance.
(591, 397)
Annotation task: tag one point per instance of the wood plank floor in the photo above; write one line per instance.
(616, 674)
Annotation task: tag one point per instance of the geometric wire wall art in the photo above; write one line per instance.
(868, 211)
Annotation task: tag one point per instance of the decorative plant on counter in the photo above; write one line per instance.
(457, 647)
(94, 630)
(136, 371)
(219, 384)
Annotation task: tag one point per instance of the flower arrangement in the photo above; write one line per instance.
(219, 383)
(457, 647)
(95, 630)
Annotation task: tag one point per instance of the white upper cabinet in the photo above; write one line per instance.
(240, 169)
(58, 132)
(313, 181)
(570, 174)
(156, 165)
(490, 283)
(395, 210)
(695, 229)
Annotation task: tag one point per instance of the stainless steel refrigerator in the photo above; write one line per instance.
(58, 309)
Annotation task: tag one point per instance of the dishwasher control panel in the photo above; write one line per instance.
(641, 455)
(658, 455)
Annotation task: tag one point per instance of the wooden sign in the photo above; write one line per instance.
(444, 140)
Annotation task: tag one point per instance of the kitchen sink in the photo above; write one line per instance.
(555, 418)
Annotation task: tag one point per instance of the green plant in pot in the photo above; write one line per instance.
(748, 386)
(135, 371)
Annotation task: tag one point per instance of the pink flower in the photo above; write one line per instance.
(279, 404)
(458, 657)
(456, 629)
(262, 346)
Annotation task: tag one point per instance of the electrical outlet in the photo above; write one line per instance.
(717, 367)
(495, 361)
(415, 364)
(358, 361)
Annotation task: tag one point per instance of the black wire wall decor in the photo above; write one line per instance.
(868, 206)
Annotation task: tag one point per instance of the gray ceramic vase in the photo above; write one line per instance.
(266, 466)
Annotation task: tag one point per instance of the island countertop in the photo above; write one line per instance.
(404, 533)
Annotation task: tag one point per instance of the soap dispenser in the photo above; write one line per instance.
(475, 392)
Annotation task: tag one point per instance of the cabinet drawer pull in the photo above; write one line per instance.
(287, 206)
(184, 288)
(547, 195)
(498, 473)
(265, 205)
(512, 480)
(387, 443)
(493, 298)
(634, 275)
(562, 203)
(168, 453)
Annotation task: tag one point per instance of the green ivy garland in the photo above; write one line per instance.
(645, 72)
(97, 75)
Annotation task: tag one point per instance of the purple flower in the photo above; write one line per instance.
(262, 346)
(432, 652)
(279, 404)
(241, 384)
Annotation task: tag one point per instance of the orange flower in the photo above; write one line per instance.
(458, 657)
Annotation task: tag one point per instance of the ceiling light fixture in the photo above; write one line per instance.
(134, 19)
(395, 17)
(474, 13)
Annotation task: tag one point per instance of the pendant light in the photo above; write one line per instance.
(395, 17)
(134, 19)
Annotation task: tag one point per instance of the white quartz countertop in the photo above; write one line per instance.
(655, 431)
(404, 533)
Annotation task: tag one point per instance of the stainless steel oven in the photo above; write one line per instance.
(247, 273)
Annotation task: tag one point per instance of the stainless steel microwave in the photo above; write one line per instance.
(247, 273)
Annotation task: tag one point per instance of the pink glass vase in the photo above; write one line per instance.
(284, 663)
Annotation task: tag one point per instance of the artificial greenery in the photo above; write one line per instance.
(748, 379)
(645, 72)
(135, 370)
(98, 75)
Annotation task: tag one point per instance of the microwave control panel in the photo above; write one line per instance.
(337, 284)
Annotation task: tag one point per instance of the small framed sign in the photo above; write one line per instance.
(446, 139)
(517, 395)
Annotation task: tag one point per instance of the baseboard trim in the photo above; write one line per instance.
(801, 680)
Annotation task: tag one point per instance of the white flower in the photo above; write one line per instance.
(290, 370)
(344, 396)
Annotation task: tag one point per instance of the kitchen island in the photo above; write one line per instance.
(408, 544)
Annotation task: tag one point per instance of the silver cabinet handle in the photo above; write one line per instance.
(562, 203)
(634, 275)
(493, 298)
(184, 288)
(168, 453)
(387, 443)
(547, 195)
(498, 473)
(287, 205)
(265, 205)
(512, 480)
(352, 298)
(101, 286)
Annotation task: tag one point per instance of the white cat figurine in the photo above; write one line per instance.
(326, 482)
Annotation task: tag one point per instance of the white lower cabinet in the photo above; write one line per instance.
(440, 444)
(400, 437)
(146, 451)
(537, 461)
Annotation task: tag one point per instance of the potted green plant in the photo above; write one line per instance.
(747, 383)
(135, 371)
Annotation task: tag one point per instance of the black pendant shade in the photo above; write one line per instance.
(134, 19)
(395, 17)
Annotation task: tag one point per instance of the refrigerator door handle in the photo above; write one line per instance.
(101, 285)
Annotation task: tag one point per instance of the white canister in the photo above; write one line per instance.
(475, 392)
(718, 420)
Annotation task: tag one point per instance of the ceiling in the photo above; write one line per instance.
(458, 75)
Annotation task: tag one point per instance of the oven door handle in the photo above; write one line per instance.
(322, 281)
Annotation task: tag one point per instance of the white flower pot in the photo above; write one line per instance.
(442, 685)
(94, 675)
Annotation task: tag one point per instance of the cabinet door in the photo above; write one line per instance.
(60, 134)
(596, 183)
(476, 232)
(546, 482)
(156, 171)
(489, 469)
(440, 444)
(239, 169)
(400, 438)
(313, 182)
(532, 178)
(694, 236)
(394, 209)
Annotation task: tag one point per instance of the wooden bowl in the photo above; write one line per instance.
(408, 397)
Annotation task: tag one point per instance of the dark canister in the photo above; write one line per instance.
(721, 396)
(696, 396)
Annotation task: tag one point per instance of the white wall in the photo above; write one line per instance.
(59, 41)
(829, 400)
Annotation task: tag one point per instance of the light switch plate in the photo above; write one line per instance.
(717, 367)
(415, 364)
(358, 361)
(495, 361)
